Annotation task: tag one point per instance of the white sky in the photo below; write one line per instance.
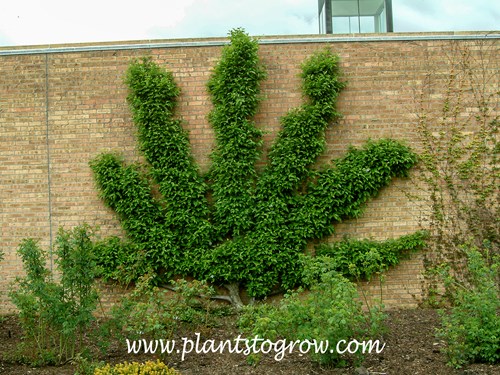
(31, 22)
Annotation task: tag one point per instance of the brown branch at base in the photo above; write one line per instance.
(233, 298)
(234, 295)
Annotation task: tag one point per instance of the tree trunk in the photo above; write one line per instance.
(234, 295)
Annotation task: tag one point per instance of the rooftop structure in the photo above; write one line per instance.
(355, 16)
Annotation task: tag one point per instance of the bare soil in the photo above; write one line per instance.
(411, 348)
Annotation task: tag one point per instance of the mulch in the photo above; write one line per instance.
(410, 348)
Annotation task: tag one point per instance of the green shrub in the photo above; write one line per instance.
(84, 365)
(135, 368)
(152, 311)
(329, 311)
(471, 328)
(360, 259)
(55, 315)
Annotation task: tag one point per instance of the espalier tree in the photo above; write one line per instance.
(235, 226)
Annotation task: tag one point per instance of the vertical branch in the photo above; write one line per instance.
(234, 87)
(165, 145)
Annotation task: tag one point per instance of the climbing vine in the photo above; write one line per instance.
(236, 226)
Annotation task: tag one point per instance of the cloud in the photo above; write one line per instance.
(24, 22)
(57, 21)
(446, 15)
(216, 17)
(4, 40)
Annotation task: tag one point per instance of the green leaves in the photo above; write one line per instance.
(321, 78)
(471, 328)
(234, 88)
(236, 225)
(361, 259)
(54, 315)
(331, 311)
(340, 192)
(152, 91)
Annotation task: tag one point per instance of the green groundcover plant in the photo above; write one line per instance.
(236, 226)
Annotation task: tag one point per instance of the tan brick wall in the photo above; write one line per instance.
(59, 110)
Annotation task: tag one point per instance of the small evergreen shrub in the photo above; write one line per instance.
(135, 368)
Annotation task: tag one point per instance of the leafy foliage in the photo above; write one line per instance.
(150, 311)
(234, 87)
(55, 315)
(459, 167)
(460, 175)
(236, 226)
(119, 260)
(361, 259)
(329, 311)
(135, 368)
(471, 328)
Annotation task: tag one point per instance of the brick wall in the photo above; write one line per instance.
(60, 108)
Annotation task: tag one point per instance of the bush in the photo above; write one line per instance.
(134, 368)
(329, 311)
(55, 315)
(471, 328)
(152, 312)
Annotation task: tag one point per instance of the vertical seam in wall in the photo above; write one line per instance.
(47, 144)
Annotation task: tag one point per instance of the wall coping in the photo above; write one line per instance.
(216, 42)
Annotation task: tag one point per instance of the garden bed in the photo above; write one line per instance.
(411, 348)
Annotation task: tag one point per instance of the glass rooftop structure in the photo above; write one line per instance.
(355, 16)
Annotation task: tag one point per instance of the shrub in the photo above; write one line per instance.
(84, 365)
(471, 328)
(135, 368)
(329, 311)
(55, 315)
(153, 311)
